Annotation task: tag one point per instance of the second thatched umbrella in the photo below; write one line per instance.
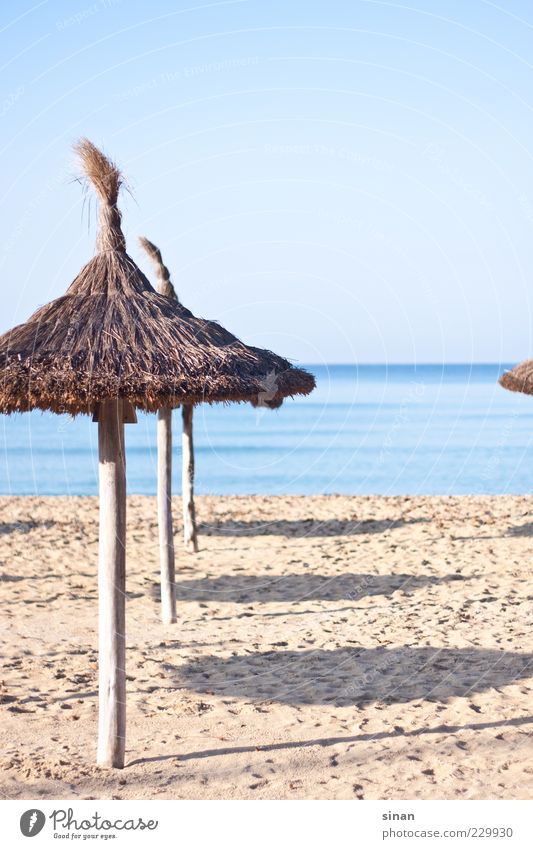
(266, 397)
(109, 345)
(164, 446)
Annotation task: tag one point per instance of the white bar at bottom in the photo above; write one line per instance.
(268, 824)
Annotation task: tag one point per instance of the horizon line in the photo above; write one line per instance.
(435, 363)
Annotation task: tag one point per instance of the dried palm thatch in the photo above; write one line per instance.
(519, 379)
(112, 336)
(267, 397)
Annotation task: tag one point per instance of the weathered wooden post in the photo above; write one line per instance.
(167, 566)
(112, 585)
(187, 480)
(164, 512)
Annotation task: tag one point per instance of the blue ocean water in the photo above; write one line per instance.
(400, 429)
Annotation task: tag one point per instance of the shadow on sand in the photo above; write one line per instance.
(368, 737)
(348, 676)
(246, 589)
(299, 528)
(525, 530)
(24, 527)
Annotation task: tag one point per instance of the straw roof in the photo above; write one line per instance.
(113, 336)
(519, 379)
(266, 397)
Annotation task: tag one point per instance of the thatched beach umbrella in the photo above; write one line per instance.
(164, 461)
(164, 449)
(110, 345)
(519, 379)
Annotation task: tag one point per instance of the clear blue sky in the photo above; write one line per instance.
(338, 181)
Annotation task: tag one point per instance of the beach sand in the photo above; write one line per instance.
(326, 648)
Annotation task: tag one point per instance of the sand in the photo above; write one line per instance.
(326, 648)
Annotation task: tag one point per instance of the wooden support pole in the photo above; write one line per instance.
(187, 483)
(164, 513)
(112, 586)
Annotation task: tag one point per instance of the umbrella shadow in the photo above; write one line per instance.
(246, 589)
(25, 527)
(348, 676)
(15, 579)
(306, 527)
(525, 530)
(365, 737)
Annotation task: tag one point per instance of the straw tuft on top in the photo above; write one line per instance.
(107, 180)
(100, 170)
(112, 336)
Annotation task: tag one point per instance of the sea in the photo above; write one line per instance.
(366, 429)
